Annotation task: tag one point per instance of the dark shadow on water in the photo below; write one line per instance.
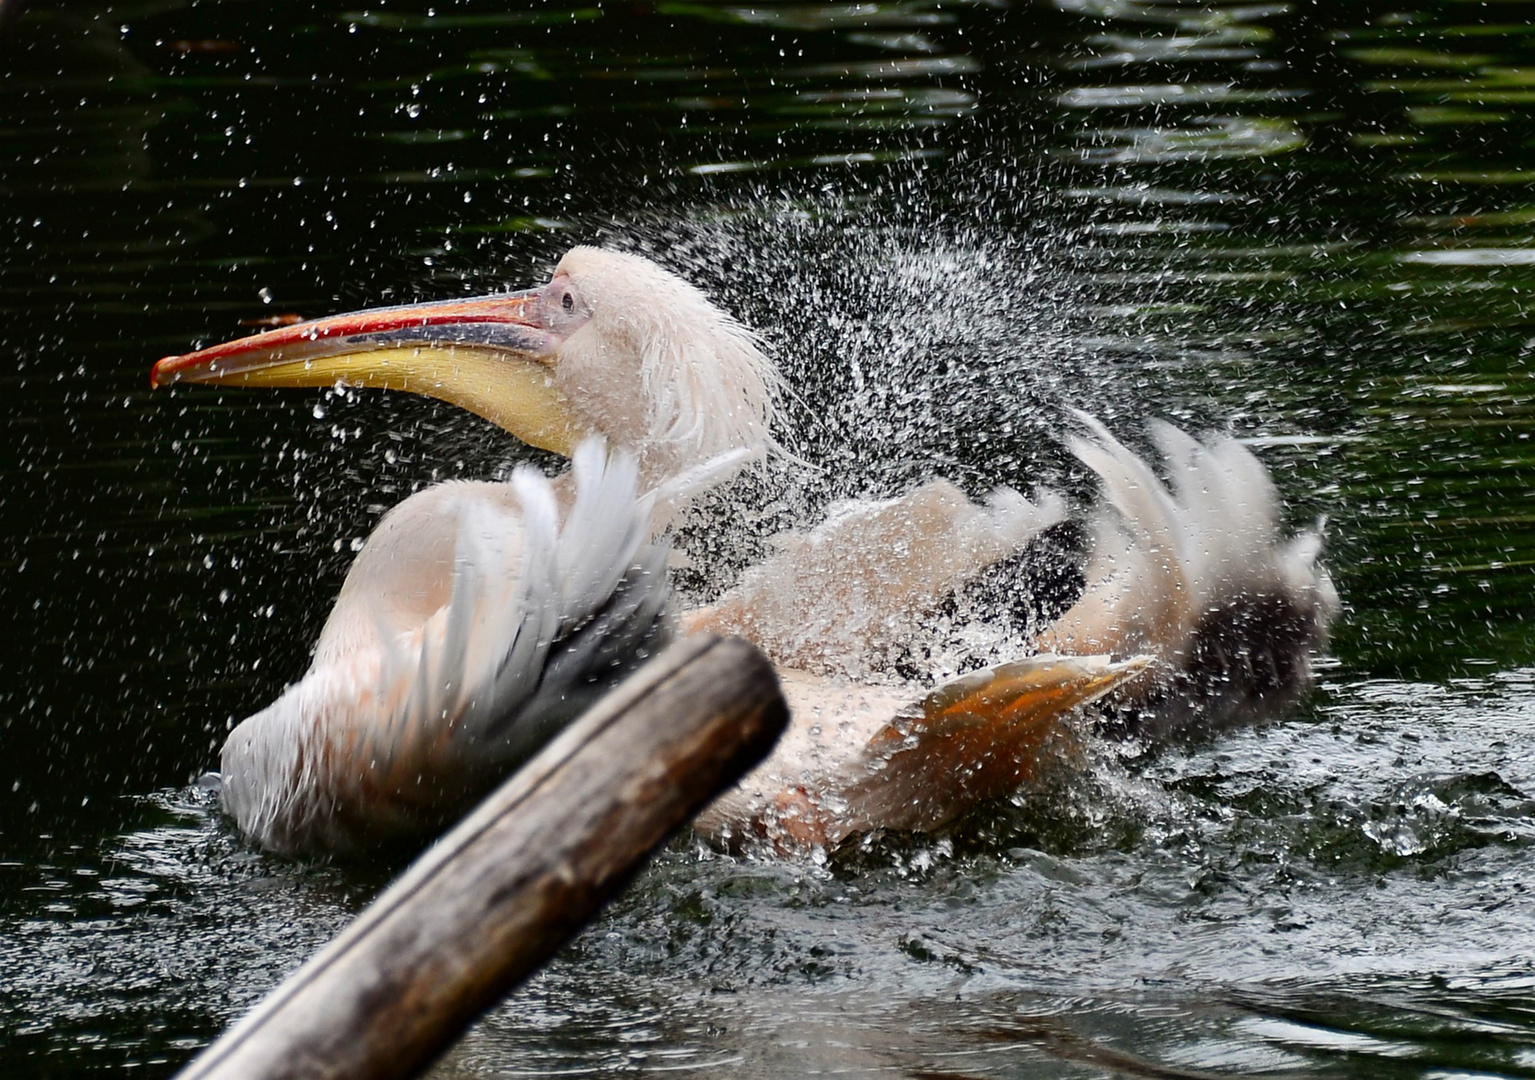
(1307, 225)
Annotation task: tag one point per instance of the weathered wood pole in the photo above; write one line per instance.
(487, 904)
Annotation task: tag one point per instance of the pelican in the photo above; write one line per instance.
(479, 617)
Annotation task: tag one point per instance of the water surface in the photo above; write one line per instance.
(1307, 224)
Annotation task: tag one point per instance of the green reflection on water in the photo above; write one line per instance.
(1307, 223)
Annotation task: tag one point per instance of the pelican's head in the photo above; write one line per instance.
(613, 344)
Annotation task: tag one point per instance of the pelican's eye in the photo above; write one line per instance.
(564, 310)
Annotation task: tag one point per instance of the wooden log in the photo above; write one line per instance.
(493, 899)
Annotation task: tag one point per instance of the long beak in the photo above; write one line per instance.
(489, 355)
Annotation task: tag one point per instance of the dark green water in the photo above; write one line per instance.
(1310, 223)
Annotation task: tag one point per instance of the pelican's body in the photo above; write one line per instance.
(376, 739)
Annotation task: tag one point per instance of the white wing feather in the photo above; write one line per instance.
(396, 727)
(825, 600)
(1195, 574)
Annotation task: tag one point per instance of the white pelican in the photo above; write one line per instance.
(1207, 612)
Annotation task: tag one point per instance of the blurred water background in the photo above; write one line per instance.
(1310, 223)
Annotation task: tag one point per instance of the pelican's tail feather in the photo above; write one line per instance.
(397, 731)
(1195, 574)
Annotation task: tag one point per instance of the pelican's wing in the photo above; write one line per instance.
(1138, 596)
(396, 733)
(858, 758)
(828, 598)
(1195, 574)
(588, 606)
